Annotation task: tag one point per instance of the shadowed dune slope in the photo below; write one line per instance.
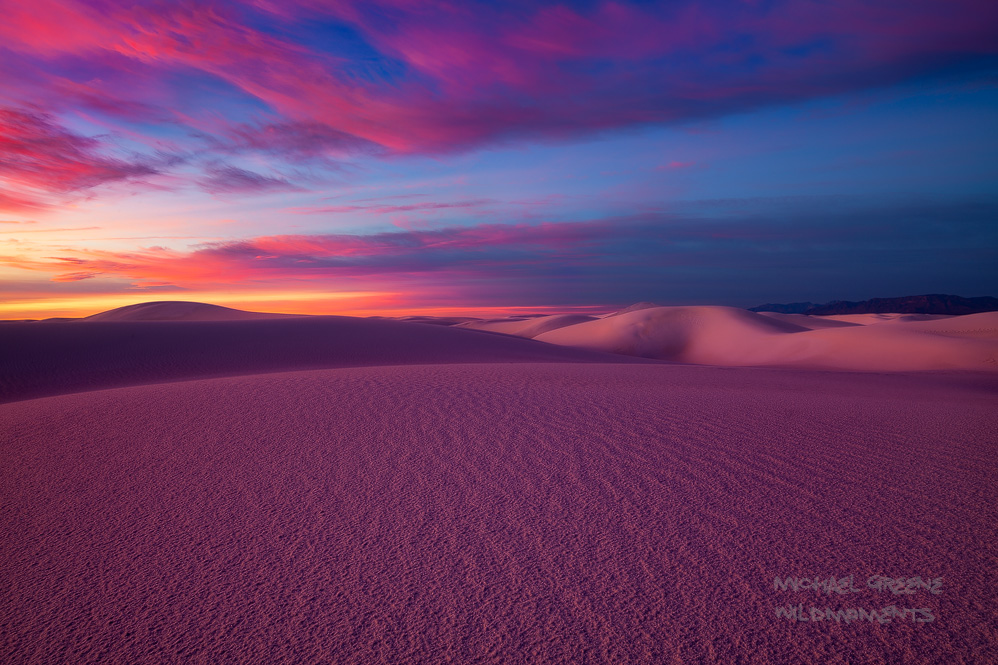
(514, 513)
(809, 322)
(50, 358)
(432, 320)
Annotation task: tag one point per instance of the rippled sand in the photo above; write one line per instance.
(496, 513)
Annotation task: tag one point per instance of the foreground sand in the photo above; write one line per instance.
(497, 513)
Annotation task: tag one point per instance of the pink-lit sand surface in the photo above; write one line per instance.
(536, 511)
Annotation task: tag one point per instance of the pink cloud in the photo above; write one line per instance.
(10, 202)
(709, 249)
(320, 256)
(40, 157)
(480, 73)
(380, 209)
(429, 77)
(222, 179)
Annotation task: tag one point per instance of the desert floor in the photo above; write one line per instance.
(553, 510)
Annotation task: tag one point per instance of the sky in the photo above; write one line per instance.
(403, 157)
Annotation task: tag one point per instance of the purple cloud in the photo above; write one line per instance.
(445, 76)
(40, 157)
(225, 179)
(693, 257)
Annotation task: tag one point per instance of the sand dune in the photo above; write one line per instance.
(528, 327)
(176, 310)
(120, 347)
(888, 317)
(736, 337)
(497, 513)
(809, 322)
(434, 320)
(983, 325)
(632, 308)
(50, 358)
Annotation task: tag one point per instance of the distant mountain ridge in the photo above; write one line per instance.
(935, 303)
(788, 308)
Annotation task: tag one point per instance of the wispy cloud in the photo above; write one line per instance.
(675, 166)
(654, 256)
(51, 230)
(40, 158)
(224, 179)
(381, 209)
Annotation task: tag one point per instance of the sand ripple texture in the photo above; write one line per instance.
(494, 513)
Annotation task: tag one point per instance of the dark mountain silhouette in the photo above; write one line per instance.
(936, 303)
(790, 308)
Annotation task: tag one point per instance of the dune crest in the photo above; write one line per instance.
(180, 310)
(529, 328)
(809, 322)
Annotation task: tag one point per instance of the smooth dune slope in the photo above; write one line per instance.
(983, 325)
(736, 337)
(498, 513)
(433, 320)
(883, 317)
(531, 327)
(50, 358)
(632, 308)
(176, 310)
(809, 322)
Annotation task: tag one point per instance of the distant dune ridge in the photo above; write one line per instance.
(810, 322)
(633, 308)
(709, 335)
(171, 341)
(531, 327)
(176, 310)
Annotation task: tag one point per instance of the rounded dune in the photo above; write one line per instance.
(983, 325)
(809, 322)
(178, 310)
(529, 328)
(735, 337)
(432, 320)
(632, 308)
(709, 335)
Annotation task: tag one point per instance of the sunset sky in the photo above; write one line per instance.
(330, 156)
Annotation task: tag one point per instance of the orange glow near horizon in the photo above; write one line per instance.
(281, 302)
